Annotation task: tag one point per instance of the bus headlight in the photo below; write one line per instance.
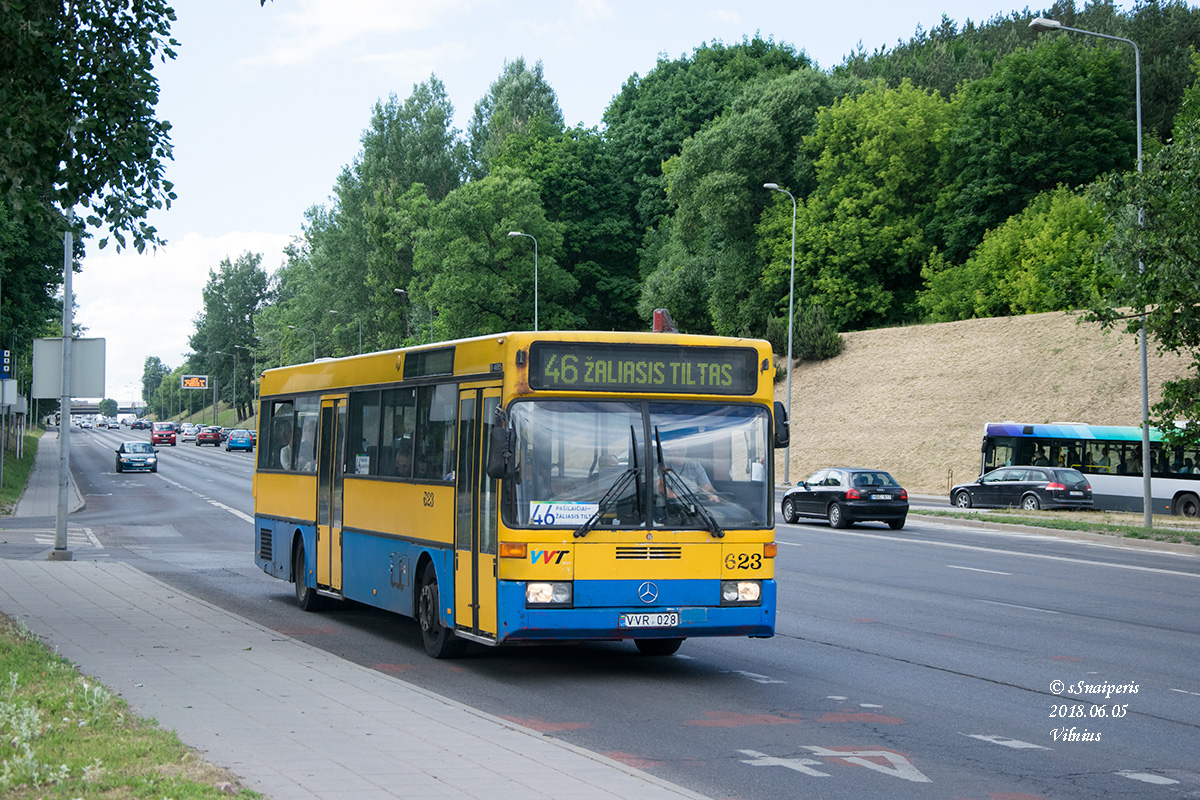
(548, 593)
(741, 593)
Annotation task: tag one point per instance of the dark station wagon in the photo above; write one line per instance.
(1029, 488)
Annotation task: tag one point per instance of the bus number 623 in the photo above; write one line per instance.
(743, 561)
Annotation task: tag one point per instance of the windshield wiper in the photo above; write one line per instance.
(614, 493)
(680, 487)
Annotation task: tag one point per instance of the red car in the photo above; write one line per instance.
(163, 433)
(209, 436)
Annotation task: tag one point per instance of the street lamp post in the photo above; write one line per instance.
(787, 451)
(314, 335)
(535, 276)
(340, 314)
(1044, 24)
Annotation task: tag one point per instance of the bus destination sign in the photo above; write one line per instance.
(585, 367)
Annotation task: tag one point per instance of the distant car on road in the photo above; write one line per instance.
(140, 425)
(137, 455)
(846, 495)
(210, 435)
(163, 433)
(239, 439)
(188, 431)
(1029, 488)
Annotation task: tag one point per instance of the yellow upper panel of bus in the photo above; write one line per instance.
(571, 362)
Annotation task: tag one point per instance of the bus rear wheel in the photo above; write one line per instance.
(439, 641)
(306, 596)
(658, 647)
(1187, 505)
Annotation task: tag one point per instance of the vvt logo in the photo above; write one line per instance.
(547, 556)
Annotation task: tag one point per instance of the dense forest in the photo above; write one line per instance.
(982, 170)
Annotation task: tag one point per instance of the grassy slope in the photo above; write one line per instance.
(914, 400)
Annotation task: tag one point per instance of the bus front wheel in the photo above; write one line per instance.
(439, 641)
(658, 647)
(1187, 505)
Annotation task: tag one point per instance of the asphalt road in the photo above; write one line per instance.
(922, 663)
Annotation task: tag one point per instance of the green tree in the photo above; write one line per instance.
(1042, 259)
(30, 276)
(478, 278)
(1007, 142)
(519, 101)
(154, 372)
(574, 174)
(716, 187)
(232, 296)
(861, 234)
(651, 117)
(77, 96)
(108, 407)
(1156, 258)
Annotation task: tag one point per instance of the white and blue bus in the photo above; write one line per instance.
(1111, 457)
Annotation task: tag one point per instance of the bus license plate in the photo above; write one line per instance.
(655, 619)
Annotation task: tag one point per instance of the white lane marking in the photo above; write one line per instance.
(897, 765)
(1014, 605)
(1185, 691)
(999, 551)
(976, 569)
(754, 676)
(1145, 777)
(804, 765)
(240, 515)
(834, 697)
(869, 705)
(1015, 744)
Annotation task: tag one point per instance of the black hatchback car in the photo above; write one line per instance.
(846, 495)
(1030, 488)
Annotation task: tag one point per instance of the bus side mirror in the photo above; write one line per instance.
(782, 431)
(500, 451)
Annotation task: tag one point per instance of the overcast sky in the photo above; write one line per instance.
(268, 105)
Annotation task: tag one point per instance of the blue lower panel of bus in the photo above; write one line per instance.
(599, 606)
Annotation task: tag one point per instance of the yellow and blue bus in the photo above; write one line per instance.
(1110, 456)
(529, 487)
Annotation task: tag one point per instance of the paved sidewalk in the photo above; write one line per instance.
(41, 493)
(292, 721)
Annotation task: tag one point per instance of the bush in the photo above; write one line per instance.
(814, 337)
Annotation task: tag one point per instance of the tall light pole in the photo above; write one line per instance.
(535, 276)
(340, 314)
(314, 335)
(787, 451)
(1043, 24)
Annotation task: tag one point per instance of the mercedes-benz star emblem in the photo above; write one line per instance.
(648, 592)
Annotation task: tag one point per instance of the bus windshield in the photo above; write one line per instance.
(676, 465)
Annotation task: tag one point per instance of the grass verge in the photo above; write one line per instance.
(1170, 529)
(16, 472)
(63, 735)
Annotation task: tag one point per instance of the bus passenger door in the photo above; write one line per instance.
(331, 443)
(476, 515)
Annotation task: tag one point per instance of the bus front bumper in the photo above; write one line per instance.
(599, 620)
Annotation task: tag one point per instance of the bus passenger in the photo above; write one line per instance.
(1039, 458)
(1102, 463)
